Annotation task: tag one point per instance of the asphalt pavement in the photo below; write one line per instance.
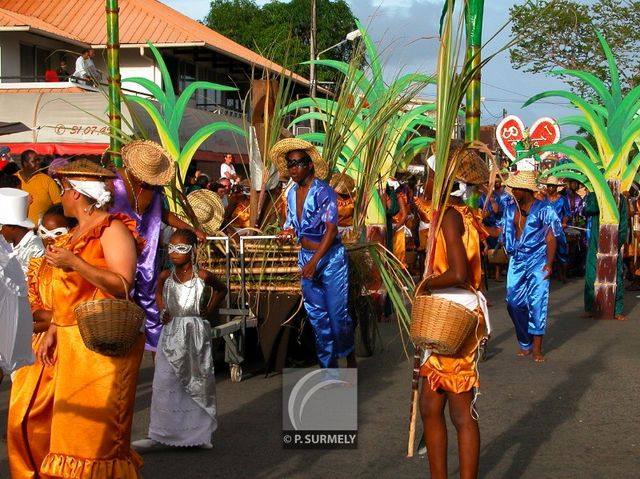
(573, 416)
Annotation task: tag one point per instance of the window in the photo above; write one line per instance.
(34, 62)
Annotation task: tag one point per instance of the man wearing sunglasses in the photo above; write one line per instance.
(312, 218)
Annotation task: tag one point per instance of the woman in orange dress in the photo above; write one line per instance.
(453, 379)
(94, 394)
(344, 186)
(31, 403)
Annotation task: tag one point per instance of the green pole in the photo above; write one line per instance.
(473, 20)
(114, 80)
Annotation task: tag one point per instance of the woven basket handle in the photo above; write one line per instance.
(423, 287)
(124, 287)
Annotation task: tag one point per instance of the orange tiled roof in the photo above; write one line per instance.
(140, 21)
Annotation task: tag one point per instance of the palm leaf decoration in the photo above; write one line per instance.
(611, 118)
(369, 129)
(168, 117)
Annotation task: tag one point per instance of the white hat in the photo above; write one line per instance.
(15, 205)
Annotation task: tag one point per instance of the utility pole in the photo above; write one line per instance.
(313, 53)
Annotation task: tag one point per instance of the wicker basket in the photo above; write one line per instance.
(109, 326)
(439, 324)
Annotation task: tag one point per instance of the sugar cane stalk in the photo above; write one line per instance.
(114, 80)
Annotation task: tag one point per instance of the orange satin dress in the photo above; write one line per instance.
(345, 212)
(399, 238)
(459, 373)
(94, 394)
(31, 403)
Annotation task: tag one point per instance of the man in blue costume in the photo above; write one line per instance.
(560, 205)
(532, 232)
(312, 217)
(492, 206)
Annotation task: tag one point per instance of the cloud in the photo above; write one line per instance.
(405, 32)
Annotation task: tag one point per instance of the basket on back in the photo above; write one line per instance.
(109, 326)
(439, 324)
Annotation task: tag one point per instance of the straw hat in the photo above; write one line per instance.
(524, 180)
(15, 205)
(472, 168)
(148, 162)
(208, 208)
(84, 169)
(279, 155)
(343, 184)
(551, 181)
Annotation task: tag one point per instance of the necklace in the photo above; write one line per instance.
(133, 193)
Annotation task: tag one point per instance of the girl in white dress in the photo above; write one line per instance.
(183, 404)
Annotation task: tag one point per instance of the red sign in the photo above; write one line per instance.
(510, 130)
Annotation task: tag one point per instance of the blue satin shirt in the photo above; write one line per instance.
(320, 207)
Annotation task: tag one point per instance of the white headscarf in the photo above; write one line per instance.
(461, 185)
(96, 190)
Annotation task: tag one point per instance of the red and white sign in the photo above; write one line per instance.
(511, 130)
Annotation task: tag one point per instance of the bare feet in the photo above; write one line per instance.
(523, 353)
(620, 317)
(538, 358)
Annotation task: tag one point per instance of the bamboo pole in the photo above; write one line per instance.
(114, 80)
(473, 21)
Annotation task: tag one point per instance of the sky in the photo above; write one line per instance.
(402, 31)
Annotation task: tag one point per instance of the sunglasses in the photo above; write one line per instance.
(44, 233)
(301, 162)
(179, 248)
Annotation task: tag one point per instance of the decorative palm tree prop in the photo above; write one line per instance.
(370, 130)
(611, 119)
(167, 120)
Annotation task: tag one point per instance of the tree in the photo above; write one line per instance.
(561, 33)
(280, 31)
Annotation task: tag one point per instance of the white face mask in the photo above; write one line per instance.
(45, 234)
(179, 248)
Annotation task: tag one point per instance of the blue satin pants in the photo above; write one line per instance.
(527, 296)
(325, 300)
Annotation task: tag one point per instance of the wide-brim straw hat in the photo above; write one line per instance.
(149, 162)
(208, 208)
(472, 169)
(343, 184)
(524, 180)
(551, 181)
(84, 169)
(279, 155)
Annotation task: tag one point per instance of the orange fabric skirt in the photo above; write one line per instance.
(399, 247)
(29, 420)
(92, 412)
(458, 373)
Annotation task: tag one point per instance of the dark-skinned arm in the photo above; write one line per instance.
(552, 244)
(162, 278)
(309, 269)
(172, 220)
(452, 230)
(404, 213)
(219, 291)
